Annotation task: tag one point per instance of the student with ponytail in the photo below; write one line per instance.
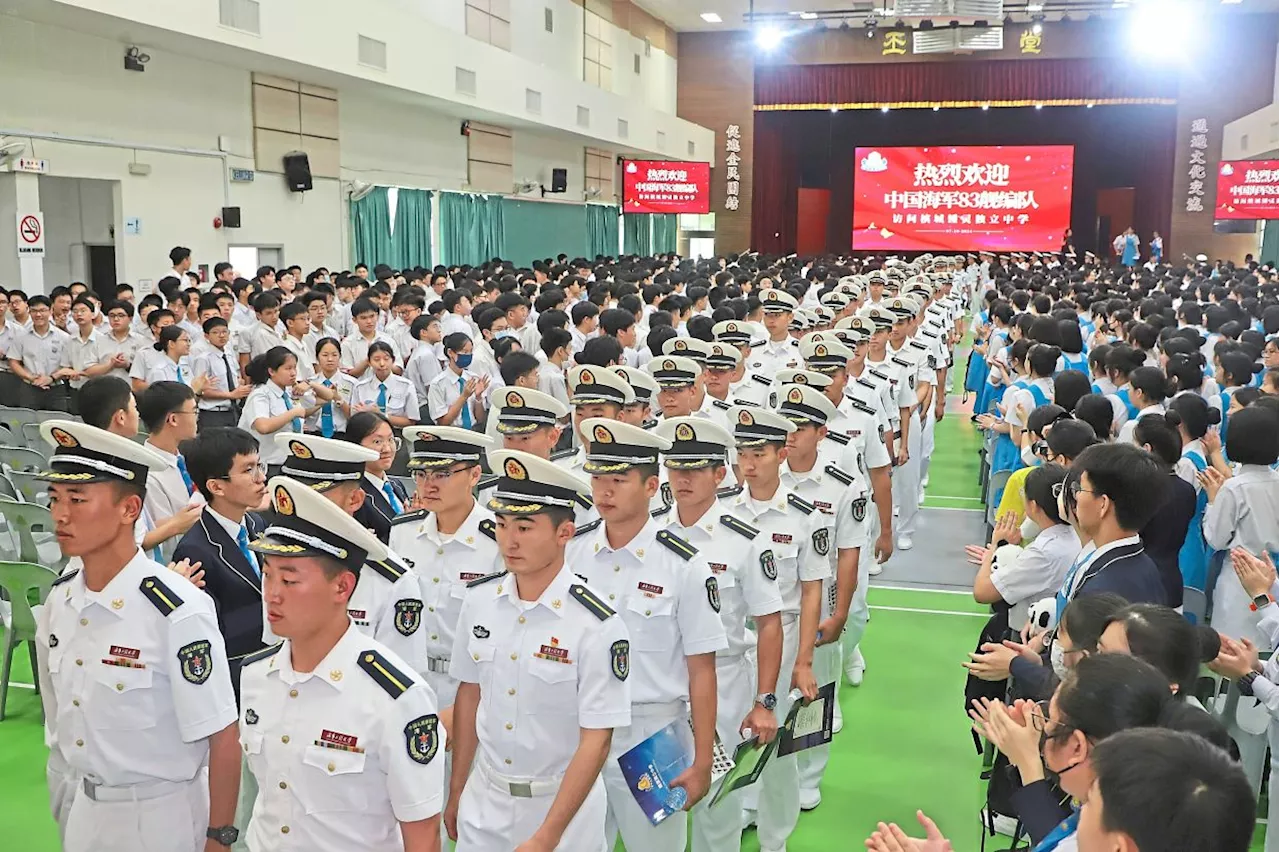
(1192, 417)
(1148, 389)
(1122, 360)
(1235, 371)
(1165, 533)
(1008, 427)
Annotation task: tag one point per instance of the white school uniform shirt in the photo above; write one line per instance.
(444, 391)
(79, 353)
(306, 357)
(668, 599)
(1038, 572)
(551, 381)
(315, 335)
(136, 679)
(1246, 513)
(40, 354)
(790, 530)
(402, 399)
(165, 369)
(344, 384)
(452, 323)
(258, 339)
(355, 745)
(9, 334)
(243, 315)
(267, 400)
(109, 346)
(1126, 431)
(355, 348)
(545, 668)
(422, 367)
(213, 364)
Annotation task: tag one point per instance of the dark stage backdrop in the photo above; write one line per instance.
(1116, 146)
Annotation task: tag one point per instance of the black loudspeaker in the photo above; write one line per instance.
(297, 171)
(559, 180)
(231, 217)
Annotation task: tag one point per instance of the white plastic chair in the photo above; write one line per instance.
(21, 581)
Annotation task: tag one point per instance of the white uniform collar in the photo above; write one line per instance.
(333, 669)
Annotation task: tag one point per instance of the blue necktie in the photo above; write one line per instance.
(288, 404)
(1060, 599)
(382, 397)
(396, 506)
(186, 477)
(466, 408)
(242, 539)
(326, 415)
(184, 381)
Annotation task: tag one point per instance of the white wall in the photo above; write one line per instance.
(76, 213)
(560, 50)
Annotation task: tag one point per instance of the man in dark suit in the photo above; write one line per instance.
(223, 463)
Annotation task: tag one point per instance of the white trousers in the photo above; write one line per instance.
(928, 431)
(492, 820)
(174, 822)
(244, 806)
(906, 481)
(719, 829)
(624, 816)
(62, 781)
(776, 796)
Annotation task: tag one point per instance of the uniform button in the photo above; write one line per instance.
(435, 579)
(79, 662)
(293, 693)
(520, 619)
(284, 786)
(507, 761)
(332, 767)
(285, 739)
(510, 726)
(80, 743)
(439, 551)
(514, 656)
(475, 657)
(434, 636)
(84, 622)
(75, 702)
(610, 597)
(119, 687)
(648, 612)
(284, 829)
(511, 692)
(617, 568)
(431, 609)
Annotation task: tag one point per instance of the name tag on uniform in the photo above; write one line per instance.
(554, 652)
(468, 576)
(825, 507)
(359, 616)
(124, 657)
(718, 567)
(340, 742)
(781, 538)
(649, 589)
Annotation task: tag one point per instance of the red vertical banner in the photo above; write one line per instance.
(813, 206)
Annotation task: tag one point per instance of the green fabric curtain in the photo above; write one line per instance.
(536, 230)
(636, 234)
(411, 239)
(602, 230)
(371, 229)
(665, 226)
(471, 228)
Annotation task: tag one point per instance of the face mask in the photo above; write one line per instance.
(464, 360)
(1058, 659)
(1029, 529)
(506, 332)
(1054, 776)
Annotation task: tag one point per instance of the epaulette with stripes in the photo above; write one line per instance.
(409, 517)
(584, 501)
(729, 491)
(563, 454)
(866, 384)
(263, 654)
(386, 569)
(160, 595)
(489, 528)
(65, 577)
(838, 438)
(679, 546)
(387, 676)
(658, 513)
(588, 599)
(918, 345)
(861, 406)
(803, 505)
(927, 334)
(748, 403)
(873, 371)
(721, 404)
(755, 344)
(586, 528)
(838, 474)
(756, 377)
(480, 581)
(902, 363)
(742, 528)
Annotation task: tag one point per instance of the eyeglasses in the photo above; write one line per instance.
(381, 444)
(439, 477)
(1076, 489)
(256, 472)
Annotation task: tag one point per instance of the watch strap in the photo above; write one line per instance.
(1245, 684)
(1260, 602)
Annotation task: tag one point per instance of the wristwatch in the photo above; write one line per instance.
(1245, 684)
(767, 700)
(226, 834)
(1261, 601)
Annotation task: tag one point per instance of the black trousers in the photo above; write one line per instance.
(212, 419)
(53, 398)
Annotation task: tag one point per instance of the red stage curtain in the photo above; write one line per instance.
(775, 178)
(1004, 82)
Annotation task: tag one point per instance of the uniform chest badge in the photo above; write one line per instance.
(822, 541)
(196, 660)
(468, 576)
(408, 616)
(339, 741)
(422, 738)
(126, 658)
(718, 567)
(250, 717)
(825, 507)
(53, 640)
(769, 565)
(649, 589)
(781, 538)
(620, 659)
(480, 631)
(554, 652)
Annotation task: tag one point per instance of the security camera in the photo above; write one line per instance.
(135, 59)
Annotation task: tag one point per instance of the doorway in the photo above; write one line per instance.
(247, 260)
(101, 266)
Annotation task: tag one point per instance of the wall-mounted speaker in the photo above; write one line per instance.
(559, 180)
(231, 217)
(297, 171)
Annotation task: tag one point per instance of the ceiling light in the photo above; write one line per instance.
(1088, 106)
(1034, 7)
(986, 107)
(835, 109)
(884, 109)
(808, 16)
(768, 37)
(870, 24)
(935, 109)
(711, 18)
(1039, 106)
(1037, 28)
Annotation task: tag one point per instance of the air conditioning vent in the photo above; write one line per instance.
(662, 141)
(623, 128)
(549, 19)
(692, 149)
(464, 81)
(533, 101)
(372, 53)
(985, 38)
(240, 15)
(584, 117)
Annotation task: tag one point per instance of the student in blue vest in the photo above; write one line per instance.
(1235, 371)
(1121, 361)
(1148, 389)
(1193, 418)
(1072, 344)
(1007, 451)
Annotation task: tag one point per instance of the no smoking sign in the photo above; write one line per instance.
(30, 234)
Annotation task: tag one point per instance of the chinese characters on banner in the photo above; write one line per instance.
(732, 163)
(660, 186)
(895, 44)
(1030, 41)
(1197, 167)
(1248, 189)
(1001, 198)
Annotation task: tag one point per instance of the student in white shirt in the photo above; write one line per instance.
(82, 358)
(355, 348)
(174, 365)
(262, 335)
(424, 364)
(168, 411)
(318, 328)
(330, 419)
(119, 343)
(457, 303)
(35, 357)
(557, 347)
(296, 322)
(383, 391)
(456, 396)
(147, 356)
(276, 403)
(218, 365)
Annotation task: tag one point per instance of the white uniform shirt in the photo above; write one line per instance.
(843, 501)
(545, 668)
(267, 400)
(305, 354)
(79, 353)
(216, 365)
(1038, 572)
(670, 603)
(40, 354)
(790, 531)
(344, 385)
(401, 398)
(137, 676)
(387, 605)
(770, 357)
(109, 347)
(1245, 513)
(743, 566)
(444, 391)
(258, 339)
(165, 369)
(423, 366)
(901, 379)
(355, 348)
(341, 754)
(9, 335)
(444, 565)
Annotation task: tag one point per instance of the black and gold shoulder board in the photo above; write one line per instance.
(586, 528)
(748, 403)
(803, 505)
(490, 528)
(264, 654)
(480, 581)
(838, 438)
(742, 528)
(584, 501)
(658, 513)
(731, 491)
(682, 548)
(409, 517)
(836, 473)
(929, 335)
(918, 345)
(387, 569)
(160, 595)
(587, 598)
(65, 577)
(865, 383)
(873, 371)
(387, 676)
